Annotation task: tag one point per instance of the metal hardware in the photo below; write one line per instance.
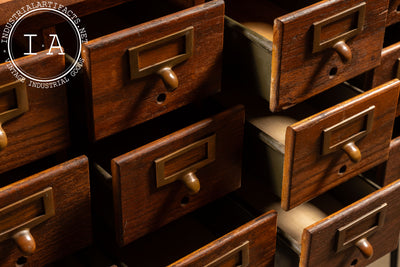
(163, 68)
(344, 241)
(338, 42)
(22, 107)
(348, 145)
(187, 175)
(243, 250)
(21, 233)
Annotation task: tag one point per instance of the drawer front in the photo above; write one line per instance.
(165, 179)
(156, 67)
(55, 206)
(39, 124)
(252, 244)
(315, 158)
(305, 63)
(393, 12)
(332, 240)
(391, 170)
(389, 68)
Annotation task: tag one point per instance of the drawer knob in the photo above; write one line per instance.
(365, 247)
(169, 78)
(3, 139)
(191, 182)
(25, 242)
(352, 151)
(344, 51)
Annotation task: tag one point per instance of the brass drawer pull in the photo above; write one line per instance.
(171, 50)
(191, 158)
(338, 42)
(21, 106)
(26, 213)
(346, 239)
(365, 118)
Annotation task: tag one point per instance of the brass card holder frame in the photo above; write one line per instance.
(163, 68)
(348, 145)
(243, 249)
(21, 233)
(338, 42)
(22, 107)
(186, 175)
(360, 240)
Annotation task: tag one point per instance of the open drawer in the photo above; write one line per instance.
(169, 167)
(306, 51)
(351, 225)
(149, 61)
(322, 142)
(46, 216)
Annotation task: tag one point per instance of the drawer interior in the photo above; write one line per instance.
(392, 35)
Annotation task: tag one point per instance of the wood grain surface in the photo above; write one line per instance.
(261, 234)
(44, 128)
(308, 173)
(70, 228)
(138, 100)
(319, 240)
(141, 208)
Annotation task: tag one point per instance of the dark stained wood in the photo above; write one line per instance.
(391, 170)
(261, 234)
(389, 68)
(307, 173)
(298, 73)
(198, 76)
(141, 208)
(43, 129)
(70, 228)
(393, 12)
(319, 240)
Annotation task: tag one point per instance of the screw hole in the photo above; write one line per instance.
(184, 201)
(333, 72)
(161, 98)
(21, 261)
(342, 169)
(354, 262)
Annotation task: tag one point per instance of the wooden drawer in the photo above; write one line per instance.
(223, 233)
(159, 182)
(151, 68)
(327, 231)
(303, 53)
(393, 15)
(54, 206)
(389, 68)
(252, 244)
(304, 155)
(390, 170)
(34, 120)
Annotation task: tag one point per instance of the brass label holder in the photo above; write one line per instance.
(46, 196)
(338, 42)
(162, 180)
(344, 242)
(242, 249)
(22, 107)
(163, 68)
(327, 148)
